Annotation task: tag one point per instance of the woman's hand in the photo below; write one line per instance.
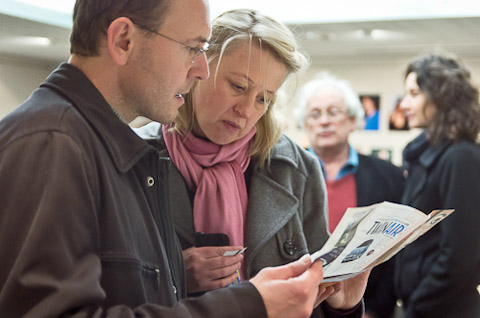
(349, 293)
(207, 268)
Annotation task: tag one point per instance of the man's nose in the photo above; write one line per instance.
(200, 69)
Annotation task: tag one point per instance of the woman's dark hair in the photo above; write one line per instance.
(91, 19)
(447, 85)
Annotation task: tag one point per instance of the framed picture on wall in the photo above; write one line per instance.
(371, 106)
(397, 119)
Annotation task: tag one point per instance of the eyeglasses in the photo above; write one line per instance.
(332, 113)
(194, 51)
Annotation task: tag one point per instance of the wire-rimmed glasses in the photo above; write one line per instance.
(333, 113)
(195, 51)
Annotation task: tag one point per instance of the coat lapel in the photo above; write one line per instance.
(270, 207)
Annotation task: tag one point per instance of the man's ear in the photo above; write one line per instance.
(120, 39)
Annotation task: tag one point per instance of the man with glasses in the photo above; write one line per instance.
(329, 110)
(85, 225)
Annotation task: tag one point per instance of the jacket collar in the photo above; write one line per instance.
(285, 152)
(422, 151)
(123, 145)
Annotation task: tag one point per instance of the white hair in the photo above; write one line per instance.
(325, 81)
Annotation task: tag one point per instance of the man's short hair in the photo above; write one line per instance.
(91, 19)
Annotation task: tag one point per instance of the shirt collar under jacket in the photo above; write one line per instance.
(350, 167)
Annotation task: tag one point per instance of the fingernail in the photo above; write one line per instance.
(305, 259)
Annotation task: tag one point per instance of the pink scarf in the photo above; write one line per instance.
(216, 174)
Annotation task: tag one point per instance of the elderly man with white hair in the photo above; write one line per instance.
(329, 110)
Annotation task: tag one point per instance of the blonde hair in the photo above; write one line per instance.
(239, 26)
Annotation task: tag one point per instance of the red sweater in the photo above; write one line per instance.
(341, 194)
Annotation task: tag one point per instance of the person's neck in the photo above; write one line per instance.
(333, 158)
(103, 77)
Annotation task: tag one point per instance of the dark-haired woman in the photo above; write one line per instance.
(437, 275)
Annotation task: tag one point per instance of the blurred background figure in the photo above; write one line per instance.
(437, 275)
(329, 110)
(370, 105)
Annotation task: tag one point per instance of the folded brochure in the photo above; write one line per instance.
(368, 236)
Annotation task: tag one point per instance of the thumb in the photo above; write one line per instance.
(297, 267)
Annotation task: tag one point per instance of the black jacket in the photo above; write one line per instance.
(378, 180)
(85, 225)
(437, 275)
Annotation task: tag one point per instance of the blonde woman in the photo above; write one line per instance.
(236, 175)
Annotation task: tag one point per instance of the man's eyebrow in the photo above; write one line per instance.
(200, 39)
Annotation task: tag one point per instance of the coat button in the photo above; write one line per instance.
(150, 181)
(289, 248)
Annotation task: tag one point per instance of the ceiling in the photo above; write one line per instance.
(332, 41)
(390, 39)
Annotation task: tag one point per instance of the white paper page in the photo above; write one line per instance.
(364, 234)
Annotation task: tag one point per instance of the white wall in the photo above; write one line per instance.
(17, 80)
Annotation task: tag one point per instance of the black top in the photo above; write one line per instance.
(437, 275)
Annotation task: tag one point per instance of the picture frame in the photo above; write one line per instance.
(371, 106)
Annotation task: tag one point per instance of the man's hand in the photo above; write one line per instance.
(208, 269)
(292, 290)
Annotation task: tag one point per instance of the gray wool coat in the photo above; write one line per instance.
(287, 209)
(287, 205)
